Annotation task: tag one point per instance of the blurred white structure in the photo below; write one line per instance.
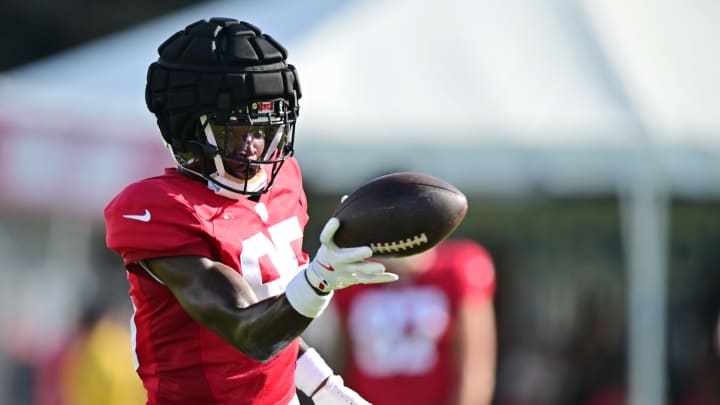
(502, 98)
(499, 97)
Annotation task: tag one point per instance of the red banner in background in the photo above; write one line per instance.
(71, 169)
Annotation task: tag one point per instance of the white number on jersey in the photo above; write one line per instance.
(394, 332)
(278, 250)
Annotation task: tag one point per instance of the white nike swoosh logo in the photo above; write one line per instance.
(143, 218)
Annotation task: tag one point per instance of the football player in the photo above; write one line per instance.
(213, 247)
(430, 336)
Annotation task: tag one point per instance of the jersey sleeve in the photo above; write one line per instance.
(146, 220)
(474, 268)
(292, 168)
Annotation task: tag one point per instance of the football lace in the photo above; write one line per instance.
(390, 247)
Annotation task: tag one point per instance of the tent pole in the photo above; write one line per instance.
(644, 210)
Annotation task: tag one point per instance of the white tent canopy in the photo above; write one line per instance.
(520, 95)
(499, 97)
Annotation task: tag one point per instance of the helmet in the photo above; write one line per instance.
(217, 84)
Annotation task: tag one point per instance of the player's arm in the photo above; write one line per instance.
(217, 297)
(318, 381)
(476, 352)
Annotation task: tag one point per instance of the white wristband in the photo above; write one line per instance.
(310, 371)
(334, 392)
(303, 297)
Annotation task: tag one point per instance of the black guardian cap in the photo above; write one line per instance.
(225, 72)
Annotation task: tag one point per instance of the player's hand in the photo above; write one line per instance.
(334, 267)
(334, 392)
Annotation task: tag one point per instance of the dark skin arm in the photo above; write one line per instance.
(217, 297)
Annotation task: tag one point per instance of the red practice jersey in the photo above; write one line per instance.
(178, 360)
(401, 334)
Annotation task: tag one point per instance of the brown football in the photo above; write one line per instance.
(400, 214)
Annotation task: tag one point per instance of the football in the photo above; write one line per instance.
(400, 214)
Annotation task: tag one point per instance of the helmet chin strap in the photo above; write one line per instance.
(256, 183)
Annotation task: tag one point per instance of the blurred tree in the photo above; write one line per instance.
(33, 29)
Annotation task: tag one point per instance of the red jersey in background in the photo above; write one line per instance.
(401, 334)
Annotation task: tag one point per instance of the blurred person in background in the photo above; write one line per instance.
(427, 339)
(92, 364)
(96, 369)
(213, 248)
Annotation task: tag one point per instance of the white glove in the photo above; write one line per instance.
(334, 392)
(334, 267)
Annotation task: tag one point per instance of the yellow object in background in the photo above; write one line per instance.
(99, 368)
